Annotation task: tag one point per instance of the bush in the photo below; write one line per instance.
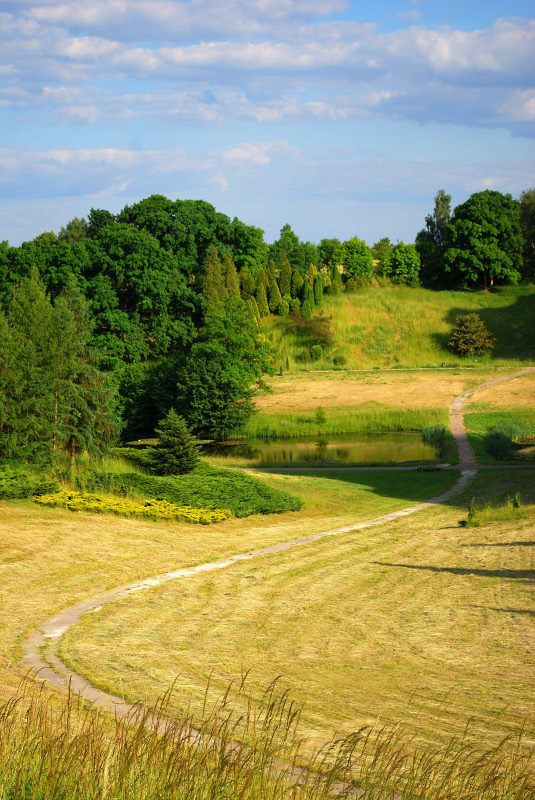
(204, 487)
(176, 452)
(151, 509)
(339, 360)
(499, 445)
(470, 336)
(16, 484)
(316, 352)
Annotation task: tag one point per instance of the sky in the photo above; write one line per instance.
(342, 118)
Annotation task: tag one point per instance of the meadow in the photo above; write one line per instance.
(401, 327)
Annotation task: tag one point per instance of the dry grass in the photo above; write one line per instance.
(51, 558)
(511, 394)
(418, 621)
(375, 389)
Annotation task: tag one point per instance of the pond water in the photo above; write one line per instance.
(356, 448)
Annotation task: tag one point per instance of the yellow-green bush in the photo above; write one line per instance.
(150, 509)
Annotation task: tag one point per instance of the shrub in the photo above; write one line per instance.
(320, 417)
(176, 452)
(16, 484)
(470, 336)
(316, 352)
(284, 307)
(499, 438)
(204, 487)
(150, 509)
(339, 360)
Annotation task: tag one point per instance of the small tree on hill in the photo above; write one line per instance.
(176, 452)
(470, 336)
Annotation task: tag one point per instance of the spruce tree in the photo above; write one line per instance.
(247, 284)
(176, 452)
(318, 289)
(297, 283)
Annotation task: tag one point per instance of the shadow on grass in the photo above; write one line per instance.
(512, 325)
(500, 544)
(524, 575)
(526, 611)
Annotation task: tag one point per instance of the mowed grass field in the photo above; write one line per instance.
(398, 326)
(419, 622)
(51, 558)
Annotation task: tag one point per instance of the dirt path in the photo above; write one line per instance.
(39, 654)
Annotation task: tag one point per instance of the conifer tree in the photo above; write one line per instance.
(311, 274)
(297, 283)
(285, 278)
(213, 287)
(230, 277)
(176, 452)
(336, 280)
(307, 309)
(318, 289)
(261, 299)
(253, 309)
(247, 284)
(308, 294)
(274, 297)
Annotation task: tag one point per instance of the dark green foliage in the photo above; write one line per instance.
(16, 484)
(295, 305)
(248, 247)
(527, 222)
(176, 452)
(212, 283)
(230, 278)
(470, 336)
(214, 383)
(405, 264)
(74, 231)
(432, 243)
(246, 284)
(499, 445)
(307, 309)
(296, 283)
(486, 241)
(329, 252)
(204, 487)
(336, 280)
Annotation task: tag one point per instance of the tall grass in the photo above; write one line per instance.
(344, 420)
(64, 751)
(399, 326)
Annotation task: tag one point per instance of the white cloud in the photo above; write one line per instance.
(259, 153)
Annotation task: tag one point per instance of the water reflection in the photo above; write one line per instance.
(371, 448)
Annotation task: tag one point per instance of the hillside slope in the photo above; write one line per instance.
(398, 326)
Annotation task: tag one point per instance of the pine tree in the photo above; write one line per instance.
(176, 452)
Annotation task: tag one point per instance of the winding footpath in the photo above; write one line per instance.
(40, 656)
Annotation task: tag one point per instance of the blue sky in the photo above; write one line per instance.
(340, 118)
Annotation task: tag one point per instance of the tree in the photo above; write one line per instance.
(230, 277)
(405, 264)
(177, 451)
(246, 284)
(527, 222)
(274, 296)
(285, 278)
(212, 282)
(74, 231)
(382, 251)
(318, 289)
(433, 241)
(214, 383)
(261, 300)
(486, 240)
(357, 259)
(470, 336)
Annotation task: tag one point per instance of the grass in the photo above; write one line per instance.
(419, 622)
(399, 326)
(479, 422)
(68, 753)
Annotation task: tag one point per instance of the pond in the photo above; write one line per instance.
(353, 448)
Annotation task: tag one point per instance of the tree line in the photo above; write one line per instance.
(115, 320)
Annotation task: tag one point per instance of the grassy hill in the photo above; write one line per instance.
(397, 326)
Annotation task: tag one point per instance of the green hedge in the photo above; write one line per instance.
(204, 487)
(16, 484)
